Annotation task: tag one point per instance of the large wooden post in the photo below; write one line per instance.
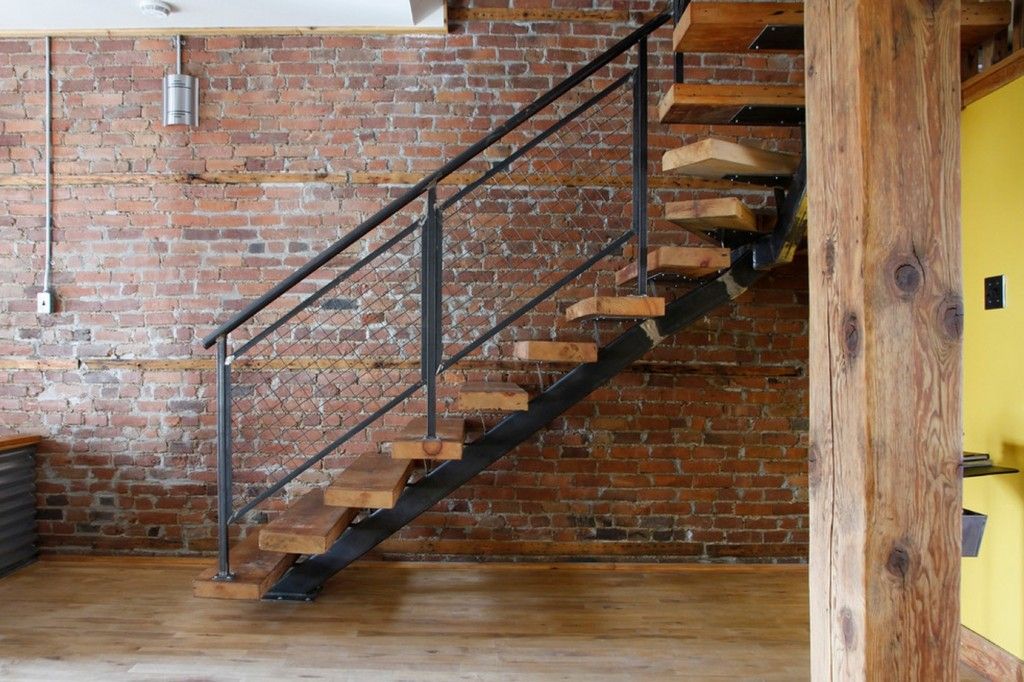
(886, 320)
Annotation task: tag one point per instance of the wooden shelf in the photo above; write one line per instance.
(971, 472)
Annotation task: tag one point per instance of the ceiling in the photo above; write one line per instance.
(77, 17)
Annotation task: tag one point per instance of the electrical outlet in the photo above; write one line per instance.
(995, 292)
(44, 303)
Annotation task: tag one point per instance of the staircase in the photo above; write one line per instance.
(348, 354)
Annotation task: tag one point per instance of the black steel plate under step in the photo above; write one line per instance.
(780, 39)
(765, 180)
(757, 115)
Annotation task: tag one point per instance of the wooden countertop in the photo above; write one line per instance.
(16, 441)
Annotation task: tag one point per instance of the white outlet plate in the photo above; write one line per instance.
(44, 303)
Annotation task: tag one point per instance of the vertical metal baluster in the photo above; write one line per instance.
(640, 165)
(678, 7)
(224, 502)
(431, 307)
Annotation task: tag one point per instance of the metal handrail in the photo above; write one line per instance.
(432, 362)
(434, 178)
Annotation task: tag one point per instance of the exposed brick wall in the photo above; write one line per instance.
(698, 454)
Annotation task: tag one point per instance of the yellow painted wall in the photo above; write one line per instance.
(993, 243)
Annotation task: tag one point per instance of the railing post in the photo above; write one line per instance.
(430, 310)
(640, 165)
(224, 502)
(678, 7)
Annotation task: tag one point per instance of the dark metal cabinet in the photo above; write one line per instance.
(17, 502)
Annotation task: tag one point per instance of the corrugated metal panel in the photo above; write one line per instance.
(17, 508)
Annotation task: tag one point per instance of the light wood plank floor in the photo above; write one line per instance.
(102, 619)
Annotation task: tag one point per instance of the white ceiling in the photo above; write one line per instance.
(40, 17)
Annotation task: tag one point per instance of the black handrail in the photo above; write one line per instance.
(434, 178)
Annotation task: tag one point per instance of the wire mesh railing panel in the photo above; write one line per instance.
(348, 347)
(520, 242)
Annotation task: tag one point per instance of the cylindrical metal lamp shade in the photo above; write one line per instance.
(181, 100)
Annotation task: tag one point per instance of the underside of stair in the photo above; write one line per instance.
(616, 307)
(733, 104)
(778, 26)
(308, 527)
(255, 571)
(705, 215)
(555, 351)
(714, 158)
(372, 481)
(413, 443)
(486, 396)
(686, 261)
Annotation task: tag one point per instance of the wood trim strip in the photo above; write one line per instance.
(993, 78)
(521, 548)
(361, 178)
(16, 442)
(191, 561)
(207, 364)
(988, 659)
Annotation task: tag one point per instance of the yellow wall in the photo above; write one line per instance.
(993, 244)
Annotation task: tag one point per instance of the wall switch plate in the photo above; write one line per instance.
(995, 292)
(44, 303)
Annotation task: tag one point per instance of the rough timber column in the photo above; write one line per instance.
(883, 100)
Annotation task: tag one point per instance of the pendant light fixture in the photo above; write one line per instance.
(181, 96)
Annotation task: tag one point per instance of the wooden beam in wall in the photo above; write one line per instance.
(886, 321)
(362, 178)
(207, 364)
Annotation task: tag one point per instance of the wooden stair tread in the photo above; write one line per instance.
(307, 527)
(493, 397)
(980, 21)
(734, 26)
(616, 307)
(255, 572)
(691, 261)
(731, 26)
(723, 213)
(714, 158)
(372, 481)
(555, 351)
(720, 103)
(412, 443)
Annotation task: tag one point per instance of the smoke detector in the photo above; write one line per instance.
(155, 8)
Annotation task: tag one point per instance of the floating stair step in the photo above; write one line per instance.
(372, 481)
(980, 21)
(555, 351)
(413, 443)
(733, 104)
(616, 307)
(493, 397)
(778, 26)
(700, 215)
(308, 527)
(255, 572)
(714, 158)
(740, 26)
(688, 261)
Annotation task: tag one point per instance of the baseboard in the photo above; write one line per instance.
(984, 657)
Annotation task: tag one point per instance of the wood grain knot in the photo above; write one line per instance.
(848, 628)
(898, 563)
(851, 335)
(908, 278)
(953, 319)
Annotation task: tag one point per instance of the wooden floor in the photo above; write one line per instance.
(99, 619)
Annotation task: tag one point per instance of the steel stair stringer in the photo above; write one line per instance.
(304, 581)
